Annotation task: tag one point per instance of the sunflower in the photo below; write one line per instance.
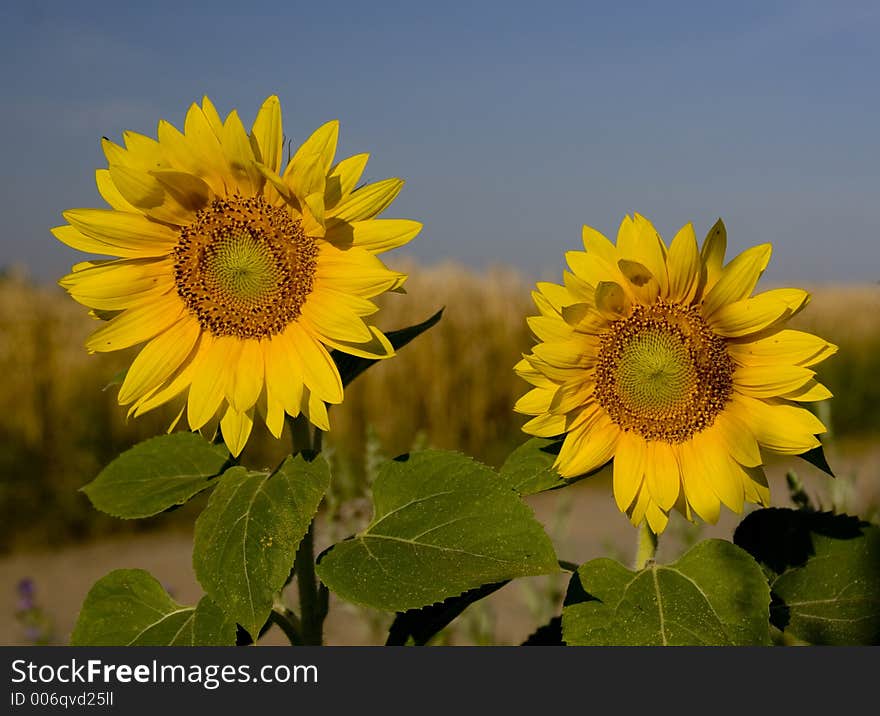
(662, 359)
(237, 274)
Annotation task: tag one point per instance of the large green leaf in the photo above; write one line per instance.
(247, 536)
(129, 607)
(529, 468)
(715, 594)
(157, 474)
(442, 524)
(350, 367)
(824, 572)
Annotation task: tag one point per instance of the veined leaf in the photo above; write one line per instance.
(129, 607)
(529, 468)
(715, 594)
(246, 538)
(156, 474)
(443, 524)
(824, 572)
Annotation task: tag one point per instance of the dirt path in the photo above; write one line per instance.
(582, 521)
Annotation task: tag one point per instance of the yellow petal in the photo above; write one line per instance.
(591, 268)
(246, 377)
(758, 313)
(768, 381)
(579, 289)
(545, 426)
(657, 518)
(159, 359)
(642, 283)
(578, 353)
(240, 156)
(638, 241)
(662, 474)
(208, 389)
(188, 190)
(236, 428)
(366, 202)
(116, 285)
(122, 234)
(587, 448)
(377, 348)
(355, 271)
(525, 371)
(640, 506)
(596, 243)
(695, 483)
(343, 178)
(683, 265)
(331, 317)
(306, 173)
(274, 416)
(755, 485)
(777, 425)
(177, 383)
(811, 392)
(737, 438)
(374, 235)
(110, 193)
(148, 195)
(629, 468)
(212, 116)
(137, 325)
(268, 134)
(316, 410)
(319, 371)
(284, 376)
(549, 329)
(720, 470)
(612, 301)
(712, 254)
(535, 402)
(786, 346)
(574, 394)
(738, 279)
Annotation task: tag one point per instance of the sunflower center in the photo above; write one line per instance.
(244, 268)
(663, 373)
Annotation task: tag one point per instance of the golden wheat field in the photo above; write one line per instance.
(452, 388)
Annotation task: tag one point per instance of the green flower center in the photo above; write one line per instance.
(663, 373)
(655, 373)
(244, 268)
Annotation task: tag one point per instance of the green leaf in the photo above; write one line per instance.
(442, 524)
(350, 367)
(156, 474)
(715, 594)
(419, 626)
(129, 607)
(816, 457)
(824, 572)
(529, 468)
(247, 536)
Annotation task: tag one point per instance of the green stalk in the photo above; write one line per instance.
(646, 548)
(312, 607)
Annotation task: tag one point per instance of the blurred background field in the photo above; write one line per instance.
(451, 388)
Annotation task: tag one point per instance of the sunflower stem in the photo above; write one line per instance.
(288, 623)
(313, 607)
(646, 548)
(309, 602)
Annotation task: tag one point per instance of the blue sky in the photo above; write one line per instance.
(513, 123)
